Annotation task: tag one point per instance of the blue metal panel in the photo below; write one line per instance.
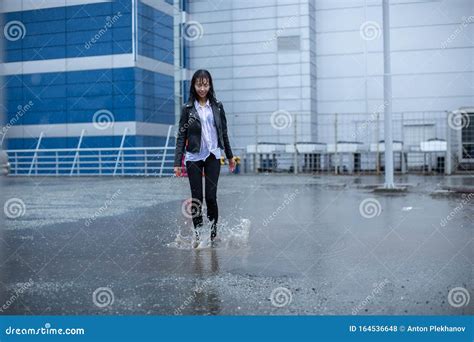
(87, 90)
(13, 81)
(13, 55)
(186, 85)
(10, 16)
(123, 46)
(154, 97)
(103, 75)
(96, 49)
(89, 103)
(43, 53)
(13, 144)
(45, 27)
(91, 29)
(84, 11)
(122, 6)
(34, 16)
(126, 88)
(38, 93)
(54, 39)
(75, 96)
(123, 101)
(155, 34)
(122, 33)
(123, 74)
(14, 93)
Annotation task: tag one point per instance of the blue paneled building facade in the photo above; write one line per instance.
(93, 68)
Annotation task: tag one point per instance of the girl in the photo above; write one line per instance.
(203, 126)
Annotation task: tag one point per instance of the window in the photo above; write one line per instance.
(288, 43)
(467, 138)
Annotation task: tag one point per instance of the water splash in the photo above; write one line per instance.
(229, 235)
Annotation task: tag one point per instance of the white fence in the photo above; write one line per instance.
(139, 161)
(350, 144)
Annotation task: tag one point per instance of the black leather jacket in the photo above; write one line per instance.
(190, 129)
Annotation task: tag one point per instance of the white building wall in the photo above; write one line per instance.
(253, 78)
(432, 54)
(336, 70)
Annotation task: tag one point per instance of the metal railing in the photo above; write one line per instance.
(105, 161)
(350, 144)
(113, 161)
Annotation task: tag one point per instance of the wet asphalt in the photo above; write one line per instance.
(288, 245)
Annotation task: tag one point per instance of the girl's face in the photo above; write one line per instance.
(202, 87)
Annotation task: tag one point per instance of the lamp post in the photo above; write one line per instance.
(387, 94)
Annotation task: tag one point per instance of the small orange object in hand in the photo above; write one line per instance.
(231, 165)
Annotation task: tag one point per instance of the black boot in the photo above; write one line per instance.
(197, 237)
(213, 231)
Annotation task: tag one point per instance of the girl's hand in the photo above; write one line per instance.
(177, 171)
(232, 165)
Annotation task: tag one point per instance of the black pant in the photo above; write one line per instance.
(212, 168)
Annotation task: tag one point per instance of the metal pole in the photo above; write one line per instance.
(165, 150)
(336, 156)
(134, 29)
(179, 69)
(295, 156)
(120, 150)
(35, 155)
(377, 140)
(403, 155)
(146, 162)
(256, 144)
(100, 162)
(447, 164)
(387, 94)
(77, 153)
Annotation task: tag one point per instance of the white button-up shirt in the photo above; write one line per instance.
(208, 134)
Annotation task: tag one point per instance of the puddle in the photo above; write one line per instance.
(229, 235)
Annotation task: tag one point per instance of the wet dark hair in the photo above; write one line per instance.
(201, 74)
